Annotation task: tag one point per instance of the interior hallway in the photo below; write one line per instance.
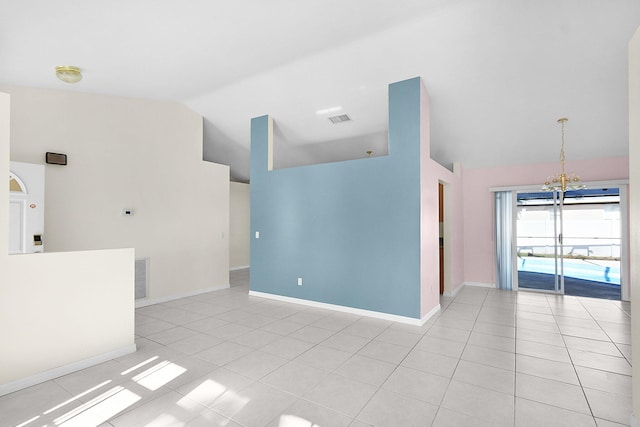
(491, 358)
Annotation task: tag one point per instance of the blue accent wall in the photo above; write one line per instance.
(350, 229)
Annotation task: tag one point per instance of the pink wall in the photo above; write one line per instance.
(431, 173)
(478, 203)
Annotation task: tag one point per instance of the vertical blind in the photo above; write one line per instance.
(504, 239)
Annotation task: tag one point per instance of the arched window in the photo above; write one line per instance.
(16, 185)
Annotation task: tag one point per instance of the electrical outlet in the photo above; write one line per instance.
(299, 281)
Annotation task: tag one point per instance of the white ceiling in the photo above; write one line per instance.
(499, 72)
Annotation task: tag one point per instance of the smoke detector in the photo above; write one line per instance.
(340, 119)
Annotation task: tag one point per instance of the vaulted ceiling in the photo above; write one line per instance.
(499, 72)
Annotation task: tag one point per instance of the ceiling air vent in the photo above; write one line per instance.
(340, 119)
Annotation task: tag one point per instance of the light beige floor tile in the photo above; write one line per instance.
(211, 419)
(609, 406)
(541, 337)
(229, 331)
(384, 351)
(170, 408)
(594, 346)
(367, 328)
(554, 393)
(205, 325)
(18, 407)
(208, 388)
(341, 394)
(366, 370)
(441, 346)
(448, 418)
(257, 339)
(493, 329)
(312, 334)
(450, 334)
(282, 327)
(307, 414)
(535, 414)
(322, 357)
(195, 343)
(588, 333)
(256, 364)
(609, 382)
(488, 356)
(295, 378)
(492, 407)
(287, 347)
(431, 363)
(223, 353)
(600, 361)
(493, 341)
(169, 336)
(538, 326)
(345, 342)
(388, 409)
(606, 423)
(542, 351)
(255, 405)
(485, 376)
(405, 339)
(550, 369)
(417, 385)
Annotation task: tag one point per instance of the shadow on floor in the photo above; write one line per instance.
(574, 287)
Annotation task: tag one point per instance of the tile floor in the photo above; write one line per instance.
(491, 358)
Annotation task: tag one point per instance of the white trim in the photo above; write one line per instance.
(64, 370)
(538, 188)
(633, 422)
(143, 302)
(480, 285)
(351, 310)
(243, 267)
(454, 293)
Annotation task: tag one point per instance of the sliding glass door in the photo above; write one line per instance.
(570, 244)
(539, 242)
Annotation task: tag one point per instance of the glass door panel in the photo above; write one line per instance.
(539, 231)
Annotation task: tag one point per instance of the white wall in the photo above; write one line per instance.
(134, 154)
(239, 225)
(634, 217)
(58, 312)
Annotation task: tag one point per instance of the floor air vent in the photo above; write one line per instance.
(142, 277)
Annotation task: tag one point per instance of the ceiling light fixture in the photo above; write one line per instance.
(563, 182)
(68, 73)
(329, 110)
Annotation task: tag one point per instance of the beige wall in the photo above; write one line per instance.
(58, 312)
(634, 207)
(128, 154)
(239, 225)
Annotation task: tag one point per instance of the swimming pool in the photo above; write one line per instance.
(594, 270)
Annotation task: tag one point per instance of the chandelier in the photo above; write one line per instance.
(563, 182)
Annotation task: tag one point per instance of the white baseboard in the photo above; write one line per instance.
(633, 422)
(453, 293)
(64, 370)
(480, 285)
(243, 267)
(351, 310)
(143, 302)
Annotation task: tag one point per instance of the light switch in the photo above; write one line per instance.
(257, 234)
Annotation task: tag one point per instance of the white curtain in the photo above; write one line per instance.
(504, 239)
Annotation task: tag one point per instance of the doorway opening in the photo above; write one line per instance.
(571, 246)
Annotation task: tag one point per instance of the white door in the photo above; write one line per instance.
(26, 208)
